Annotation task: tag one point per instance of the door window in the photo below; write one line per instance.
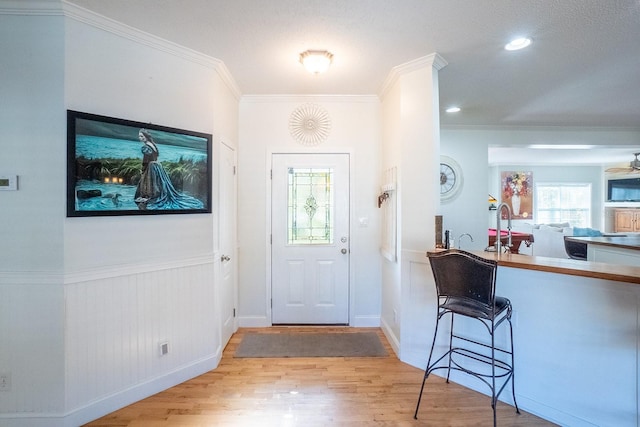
(310, 206)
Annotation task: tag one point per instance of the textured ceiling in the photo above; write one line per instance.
(583, 68)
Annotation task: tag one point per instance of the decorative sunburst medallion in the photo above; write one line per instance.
(309, 124)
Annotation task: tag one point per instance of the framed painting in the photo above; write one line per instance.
(122, 167)
(517, 192)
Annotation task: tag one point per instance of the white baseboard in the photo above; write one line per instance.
(391, 337)
(366, 321)
(136, 393)
(115, 401)
(254, 322)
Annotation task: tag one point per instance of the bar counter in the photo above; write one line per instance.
(575, 329)
(596, 270)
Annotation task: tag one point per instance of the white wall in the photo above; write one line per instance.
(32, 135)
(467, 212)
(391, 272)
(87, 301)
(116, 76)
(263, 130)
(411, 142)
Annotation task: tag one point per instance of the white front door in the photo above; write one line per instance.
(310, 239)
(227, 241)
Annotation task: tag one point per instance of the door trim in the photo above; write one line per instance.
(268, 207)
(234, 244)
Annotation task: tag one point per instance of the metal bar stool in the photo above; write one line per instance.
(465, 285)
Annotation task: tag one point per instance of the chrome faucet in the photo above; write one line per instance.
(461, 236)
(498, 243)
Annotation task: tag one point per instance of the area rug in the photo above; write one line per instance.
(354, 344)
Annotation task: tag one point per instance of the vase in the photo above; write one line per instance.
(515, 204)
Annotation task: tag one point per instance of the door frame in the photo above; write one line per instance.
(268, 207)
(234, 249)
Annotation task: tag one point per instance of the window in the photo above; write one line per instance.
(555, 203)
(310, 208)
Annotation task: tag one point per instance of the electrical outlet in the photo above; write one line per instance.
(164, 348)
(5, 381)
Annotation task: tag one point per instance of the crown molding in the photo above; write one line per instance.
(433, 60)
(31, 8)
(311, 98)
(77, 13)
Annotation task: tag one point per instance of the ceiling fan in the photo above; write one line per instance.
(634, 166)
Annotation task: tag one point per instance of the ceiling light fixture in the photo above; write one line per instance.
(517, 44)
(316, 61)
(453, 110)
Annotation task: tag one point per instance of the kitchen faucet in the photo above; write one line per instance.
(498, 243)
(461, 236)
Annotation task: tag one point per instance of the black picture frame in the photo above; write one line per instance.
(113, 170)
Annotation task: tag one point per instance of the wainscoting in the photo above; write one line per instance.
(115, 327)
(99, 347)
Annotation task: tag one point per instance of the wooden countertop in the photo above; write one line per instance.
(596, 270)
(625, 242)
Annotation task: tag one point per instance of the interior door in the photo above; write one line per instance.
(310, 239)
(228, 263)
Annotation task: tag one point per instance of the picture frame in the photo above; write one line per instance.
(123, 167)
(517, 192)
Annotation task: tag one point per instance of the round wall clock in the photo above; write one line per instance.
(450, 178)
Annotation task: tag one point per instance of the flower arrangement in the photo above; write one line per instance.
(516, 183)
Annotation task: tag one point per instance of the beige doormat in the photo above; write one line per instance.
(354, 344)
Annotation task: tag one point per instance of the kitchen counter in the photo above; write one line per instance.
(624, 242)
(597, 270)
(619, 250)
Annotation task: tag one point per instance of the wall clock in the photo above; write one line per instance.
(450, 178)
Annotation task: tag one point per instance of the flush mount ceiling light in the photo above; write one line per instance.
(517, 44)
(316, 61)
(453, 110)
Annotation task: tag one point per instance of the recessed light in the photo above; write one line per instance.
(453, 110)
(517, 44)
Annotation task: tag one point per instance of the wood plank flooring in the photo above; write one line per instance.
(309, 392)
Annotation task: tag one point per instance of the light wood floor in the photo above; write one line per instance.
(375, 391)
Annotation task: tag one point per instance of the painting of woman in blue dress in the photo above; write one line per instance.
(155, 190)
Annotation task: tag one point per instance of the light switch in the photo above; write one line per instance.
(8, 182)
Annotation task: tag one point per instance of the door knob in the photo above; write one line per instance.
(344, 251)
(225, 258)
